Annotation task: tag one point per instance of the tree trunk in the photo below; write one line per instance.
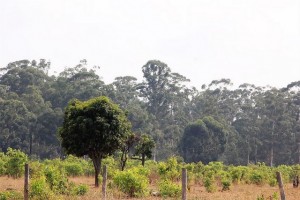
(255, 152)
(123, 160)
(272, 145)
(97, 166)
(248, 153)
(272, 155)
(143, 159)
(299, 153)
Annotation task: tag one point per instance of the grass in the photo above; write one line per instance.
(197, 192)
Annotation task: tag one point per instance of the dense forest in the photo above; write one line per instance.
(241, 125)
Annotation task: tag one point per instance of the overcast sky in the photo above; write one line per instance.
(252, 41)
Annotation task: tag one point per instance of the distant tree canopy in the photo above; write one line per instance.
(262, 124)
(203, 140)
(96, 128)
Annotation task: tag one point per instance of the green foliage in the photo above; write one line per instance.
(57, 180)
(81, 189)
(209, 184)
(111, 166)
(170, 169)
(144, 147)
(16, 160)
(36, 169)
(3, 160)
(226, 185)
(73, 169)
(40, 190)
(169, 189)
(133, 182)
(96, 128)
(11, 195)
(203, 140)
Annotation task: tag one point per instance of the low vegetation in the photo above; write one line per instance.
(51, 179)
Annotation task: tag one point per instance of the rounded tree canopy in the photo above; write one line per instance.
(203, 140)
(96, 127)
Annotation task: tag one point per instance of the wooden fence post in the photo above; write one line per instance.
(184, 183)
(280, 184)
(26, 183)
(104, 182)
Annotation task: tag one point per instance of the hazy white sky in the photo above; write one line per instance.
(253, 41)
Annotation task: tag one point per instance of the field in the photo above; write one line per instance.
(73, 178)
(197, 192)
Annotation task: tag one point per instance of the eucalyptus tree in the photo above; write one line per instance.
(124, 91)
(81, 82)
(28, 83)
(246, 122)
(21, 74)
(15, 120)
(276, 125)
(166, 96)
(217, 100)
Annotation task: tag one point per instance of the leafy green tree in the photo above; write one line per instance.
(144, 148)
(166, 98)
(203, 140)
(15, 120)
(130, 140)
(96, 128)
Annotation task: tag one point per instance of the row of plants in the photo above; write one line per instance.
(50, 178)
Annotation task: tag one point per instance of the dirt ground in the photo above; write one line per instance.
(197, 192)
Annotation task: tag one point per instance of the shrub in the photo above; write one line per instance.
(236, 174)
(226, 185)
(15, 162)
(57, 180)
(11, 195)
(3, 160)
(131, 182)
(81, 189)
(209, 184)
(40, 190)
(169, 189)
(257, 178)
(73, 169)
(36, 169)
(169, 169)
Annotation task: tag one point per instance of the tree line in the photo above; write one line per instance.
(246, 124)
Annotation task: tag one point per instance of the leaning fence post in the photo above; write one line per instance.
(184, 183)
(104, 182)
(280, 184)
(26, 182)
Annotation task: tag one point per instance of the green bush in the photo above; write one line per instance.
(257, 178)
(73, 169)
(132, 182)
(57, 180)
(169, 189)
(40, 190)
(226, 185)
(81, 189)
(170, 169)
(11, 195)
(36, 169)
(3, 160)
(16, 160)
(209, 184)
(237, 173)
